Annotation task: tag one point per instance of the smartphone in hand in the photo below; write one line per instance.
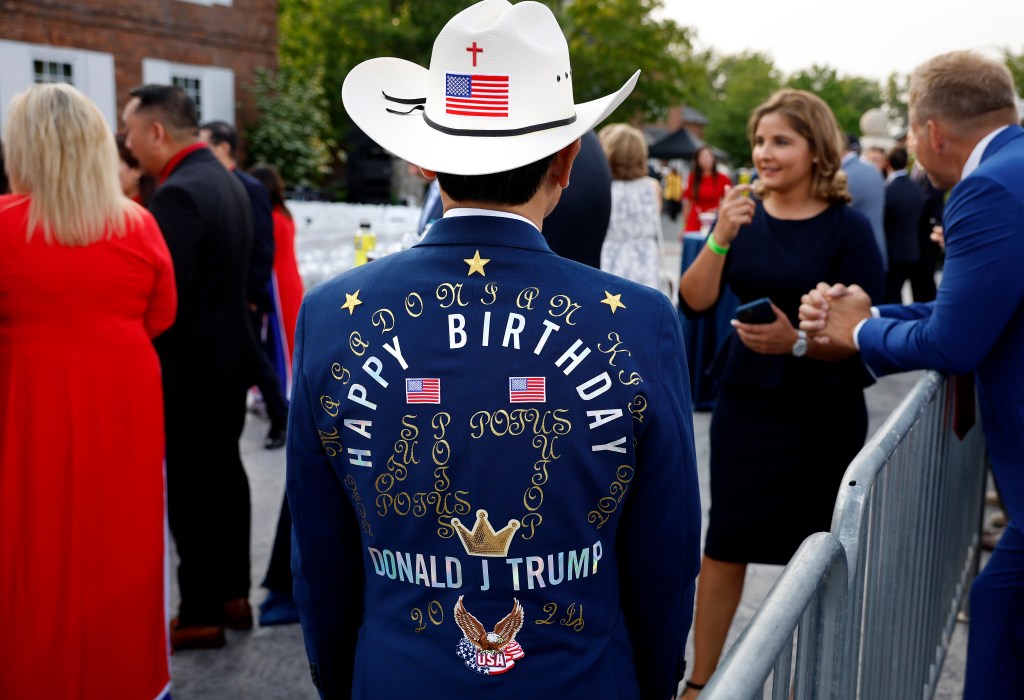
(758, 311)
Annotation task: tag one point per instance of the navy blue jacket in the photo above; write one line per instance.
(576, 229)
(904, 203)
(492, 476)
(261, 262)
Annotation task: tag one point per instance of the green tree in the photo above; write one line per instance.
(738, 84)
(895, 98)
(849, 97)
(333, 36)
(1015, 62)
(292, 132)
(610, 39)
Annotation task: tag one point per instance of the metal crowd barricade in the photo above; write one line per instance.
(909, 516)
(908, 519)
(808, 598)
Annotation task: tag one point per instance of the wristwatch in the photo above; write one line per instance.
(800, 346)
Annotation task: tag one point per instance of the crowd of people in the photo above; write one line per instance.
(490, 455)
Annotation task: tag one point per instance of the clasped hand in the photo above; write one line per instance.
(829, 314)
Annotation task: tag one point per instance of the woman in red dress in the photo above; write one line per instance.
(704, 190)
(86, 282)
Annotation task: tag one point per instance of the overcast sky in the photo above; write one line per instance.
(868, 38)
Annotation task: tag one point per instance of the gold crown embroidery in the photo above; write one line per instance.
(482, 540)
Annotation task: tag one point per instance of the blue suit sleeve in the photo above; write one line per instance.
(659, 535)
(981, 289)
(906, 312)
(326, 544)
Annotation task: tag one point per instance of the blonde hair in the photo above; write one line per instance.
(61, 152)
(812, 118)
(626, 150)
(963, 87)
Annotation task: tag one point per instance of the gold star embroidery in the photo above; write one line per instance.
(614, 301)
(476, 264)
(351, 302)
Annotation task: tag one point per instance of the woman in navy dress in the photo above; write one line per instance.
(790, 413)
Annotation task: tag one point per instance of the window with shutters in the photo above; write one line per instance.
(211, 88)
(23, 64)
(193, 88)
(53, 72)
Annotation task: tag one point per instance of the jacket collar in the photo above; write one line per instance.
(176, 159)
(485, 230)
(1001, 139)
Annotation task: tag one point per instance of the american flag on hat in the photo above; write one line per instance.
(476, 95)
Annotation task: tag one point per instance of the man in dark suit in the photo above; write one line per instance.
(222, 139)
(490, 449)
(922, 278)
(903, 205)
(964, 117)
(577, 227)
(205, 216)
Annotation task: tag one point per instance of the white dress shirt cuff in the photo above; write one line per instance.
(856, 329)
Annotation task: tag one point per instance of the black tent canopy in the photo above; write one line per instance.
(679, 144)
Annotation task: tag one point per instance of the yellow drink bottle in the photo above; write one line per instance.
(745, 177)
(364, 240)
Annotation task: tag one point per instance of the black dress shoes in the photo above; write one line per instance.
(274, 439)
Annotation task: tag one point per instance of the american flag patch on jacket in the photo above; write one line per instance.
(476, 95)
(526, 390)
(423, 390)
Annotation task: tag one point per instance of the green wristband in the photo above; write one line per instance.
(715, 248)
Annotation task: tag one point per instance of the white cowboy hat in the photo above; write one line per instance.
(498, 94)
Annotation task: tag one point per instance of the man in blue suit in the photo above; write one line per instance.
(490, 451)
(964, 118)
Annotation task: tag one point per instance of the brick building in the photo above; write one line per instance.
(211, 48)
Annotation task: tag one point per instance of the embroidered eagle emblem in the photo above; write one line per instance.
(504, 632)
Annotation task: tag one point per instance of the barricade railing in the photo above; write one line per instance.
(804, 603)
(909, 516)
(908, 519)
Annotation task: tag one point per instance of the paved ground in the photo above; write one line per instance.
(270, 664)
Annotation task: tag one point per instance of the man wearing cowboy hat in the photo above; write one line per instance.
(490, 456)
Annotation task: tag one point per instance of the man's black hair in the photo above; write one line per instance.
(509, 188)
(898, 158)
(176, 109)
(222, 132)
